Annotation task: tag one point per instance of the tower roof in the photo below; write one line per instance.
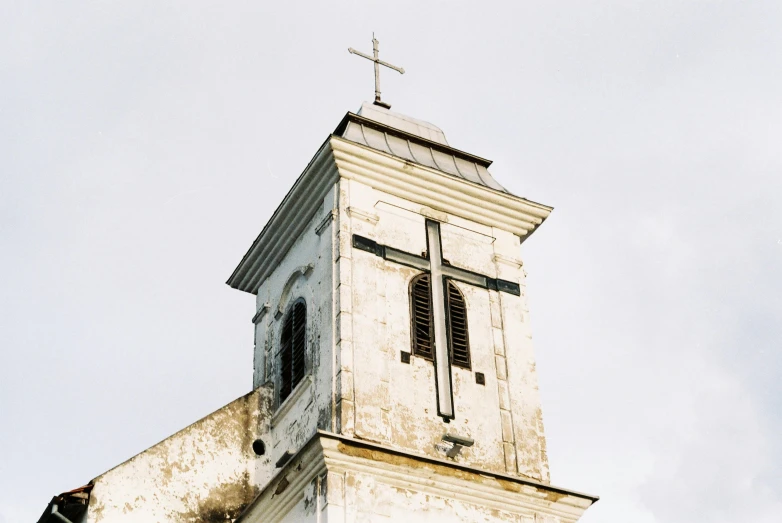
(415, 141)
(402, 156)
(403, 122)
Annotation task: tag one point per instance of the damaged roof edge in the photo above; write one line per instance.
(71, 504)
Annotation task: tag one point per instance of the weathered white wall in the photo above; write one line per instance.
(366, 500)
(208, 471)
(358, 323)
(346, 480)
(359, 497)
(204, 473)
(305, 272)
(384, 400)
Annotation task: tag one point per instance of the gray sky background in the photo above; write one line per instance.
(144, 144)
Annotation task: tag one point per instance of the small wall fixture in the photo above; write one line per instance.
(458, 443)
(285, 458)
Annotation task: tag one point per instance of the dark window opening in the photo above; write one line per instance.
(422, 322)
(292, 343)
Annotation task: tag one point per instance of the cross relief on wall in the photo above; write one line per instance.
(441, 272)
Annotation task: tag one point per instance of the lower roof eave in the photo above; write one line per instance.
(307, 450)
(453, 464)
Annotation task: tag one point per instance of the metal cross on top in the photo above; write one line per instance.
(378, 62)
(440, 271)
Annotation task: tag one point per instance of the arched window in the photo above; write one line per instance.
(292, 344)
(423, 326)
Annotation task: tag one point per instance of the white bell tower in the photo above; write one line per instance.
(394, 377)
(392, 341)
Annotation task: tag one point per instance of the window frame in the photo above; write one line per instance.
(414, 337)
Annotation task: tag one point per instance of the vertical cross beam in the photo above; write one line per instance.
(376, 55)
(442, 359)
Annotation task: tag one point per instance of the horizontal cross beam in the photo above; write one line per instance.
(381, 62)
(422, 263)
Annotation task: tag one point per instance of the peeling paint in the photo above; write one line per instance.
(394, 403)
(206, 472)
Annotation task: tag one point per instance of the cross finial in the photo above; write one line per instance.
(378, 62)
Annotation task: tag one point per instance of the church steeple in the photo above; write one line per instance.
(394, 377)
(406, 253)
(386, 201)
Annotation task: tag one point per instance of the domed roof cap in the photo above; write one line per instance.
(403, 122)
(416, 141)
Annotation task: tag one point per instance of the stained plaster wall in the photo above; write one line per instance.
(208, 471)
(381, 399)
(362, 497)
(305, 273)
(347, 480)
(204, 473)
(310, 504)
(358, 323)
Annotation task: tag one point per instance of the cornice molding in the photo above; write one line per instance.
(287, 223)
(339, 157)
(303, 271)
(446, 479)
(449, 480)
(437, 190)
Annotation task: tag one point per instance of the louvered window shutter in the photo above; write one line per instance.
(286, 357)
(299, 328)
(423, 331)
(292, 349)
(457, 328)
(421, 314)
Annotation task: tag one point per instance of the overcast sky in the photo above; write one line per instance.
(144, 144)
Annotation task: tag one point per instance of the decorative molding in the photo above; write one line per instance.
(434, 215)
(437, 190)
(416, 183)
(303, 386)
(305, 271)
(291, 218)
(271, 507)
(439, 477)
(261, 313)
(339, 157)
(332, 453)
(360, 214)
(507, 260)
(327, 220)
